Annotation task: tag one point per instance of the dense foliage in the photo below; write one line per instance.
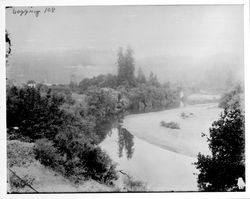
(135, 94)
(102, 103)
(101, 81)
(31, 115)
(76, 159)
(63, 141)
(146, 97)
(231, 98)
(67, 122)
(221, 170)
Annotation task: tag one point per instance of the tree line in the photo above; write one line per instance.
(64, 141)
(142, 94)
(66, 131)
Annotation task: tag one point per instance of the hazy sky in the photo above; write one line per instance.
(174, 42)
(150, 30)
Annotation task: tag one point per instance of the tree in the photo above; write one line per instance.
(231, 98)
(35, 116)
(110, 81)
(221, 170)
(141, 77)
(102, 102)
(153, 80)
(121, 64)
(126, 68)
(63, 141)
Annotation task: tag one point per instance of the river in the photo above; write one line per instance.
(161, 157)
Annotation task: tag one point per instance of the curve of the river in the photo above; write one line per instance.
(159, 156)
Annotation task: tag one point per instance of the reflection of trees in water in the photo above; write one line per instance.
(103, 128)
(125, 140)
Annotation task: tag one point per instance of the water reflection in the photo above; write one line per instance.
(104, 128)
(125, 142)
(125, 138)
(164, 170)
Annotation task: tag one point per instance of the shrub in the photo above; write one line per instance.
(46, 153)
(98, 164)
(171, 125)
(76, 159)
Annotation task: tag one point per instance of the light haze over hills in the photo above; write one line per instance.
(177, 43)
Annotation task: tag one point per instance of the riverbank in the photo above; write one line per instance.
(187, 140)
(161, 157)
(159, 169)
(25, 174)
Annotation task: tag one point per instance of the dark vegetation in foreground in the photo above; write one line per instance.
(222, 170)
(67, 122)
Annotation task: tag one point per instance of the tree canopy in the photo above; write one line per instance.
(126, 67)
(226, 164)
(141, 77)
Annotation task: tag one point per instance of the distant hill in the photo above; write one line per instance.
(214, 72)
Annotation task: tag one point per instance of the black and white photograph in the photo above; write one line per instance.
(125, 98)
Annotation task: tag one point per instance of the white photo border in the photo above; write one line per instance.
(193, 195)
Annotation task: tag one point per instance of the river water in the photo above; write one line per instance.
(161, 157)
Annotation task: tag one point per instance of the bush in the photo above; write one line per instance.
(171, 125)
(76, 159)
(98, 164)
(47, 154)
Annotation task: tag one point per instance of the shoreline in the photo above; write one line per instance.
(165, 138)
